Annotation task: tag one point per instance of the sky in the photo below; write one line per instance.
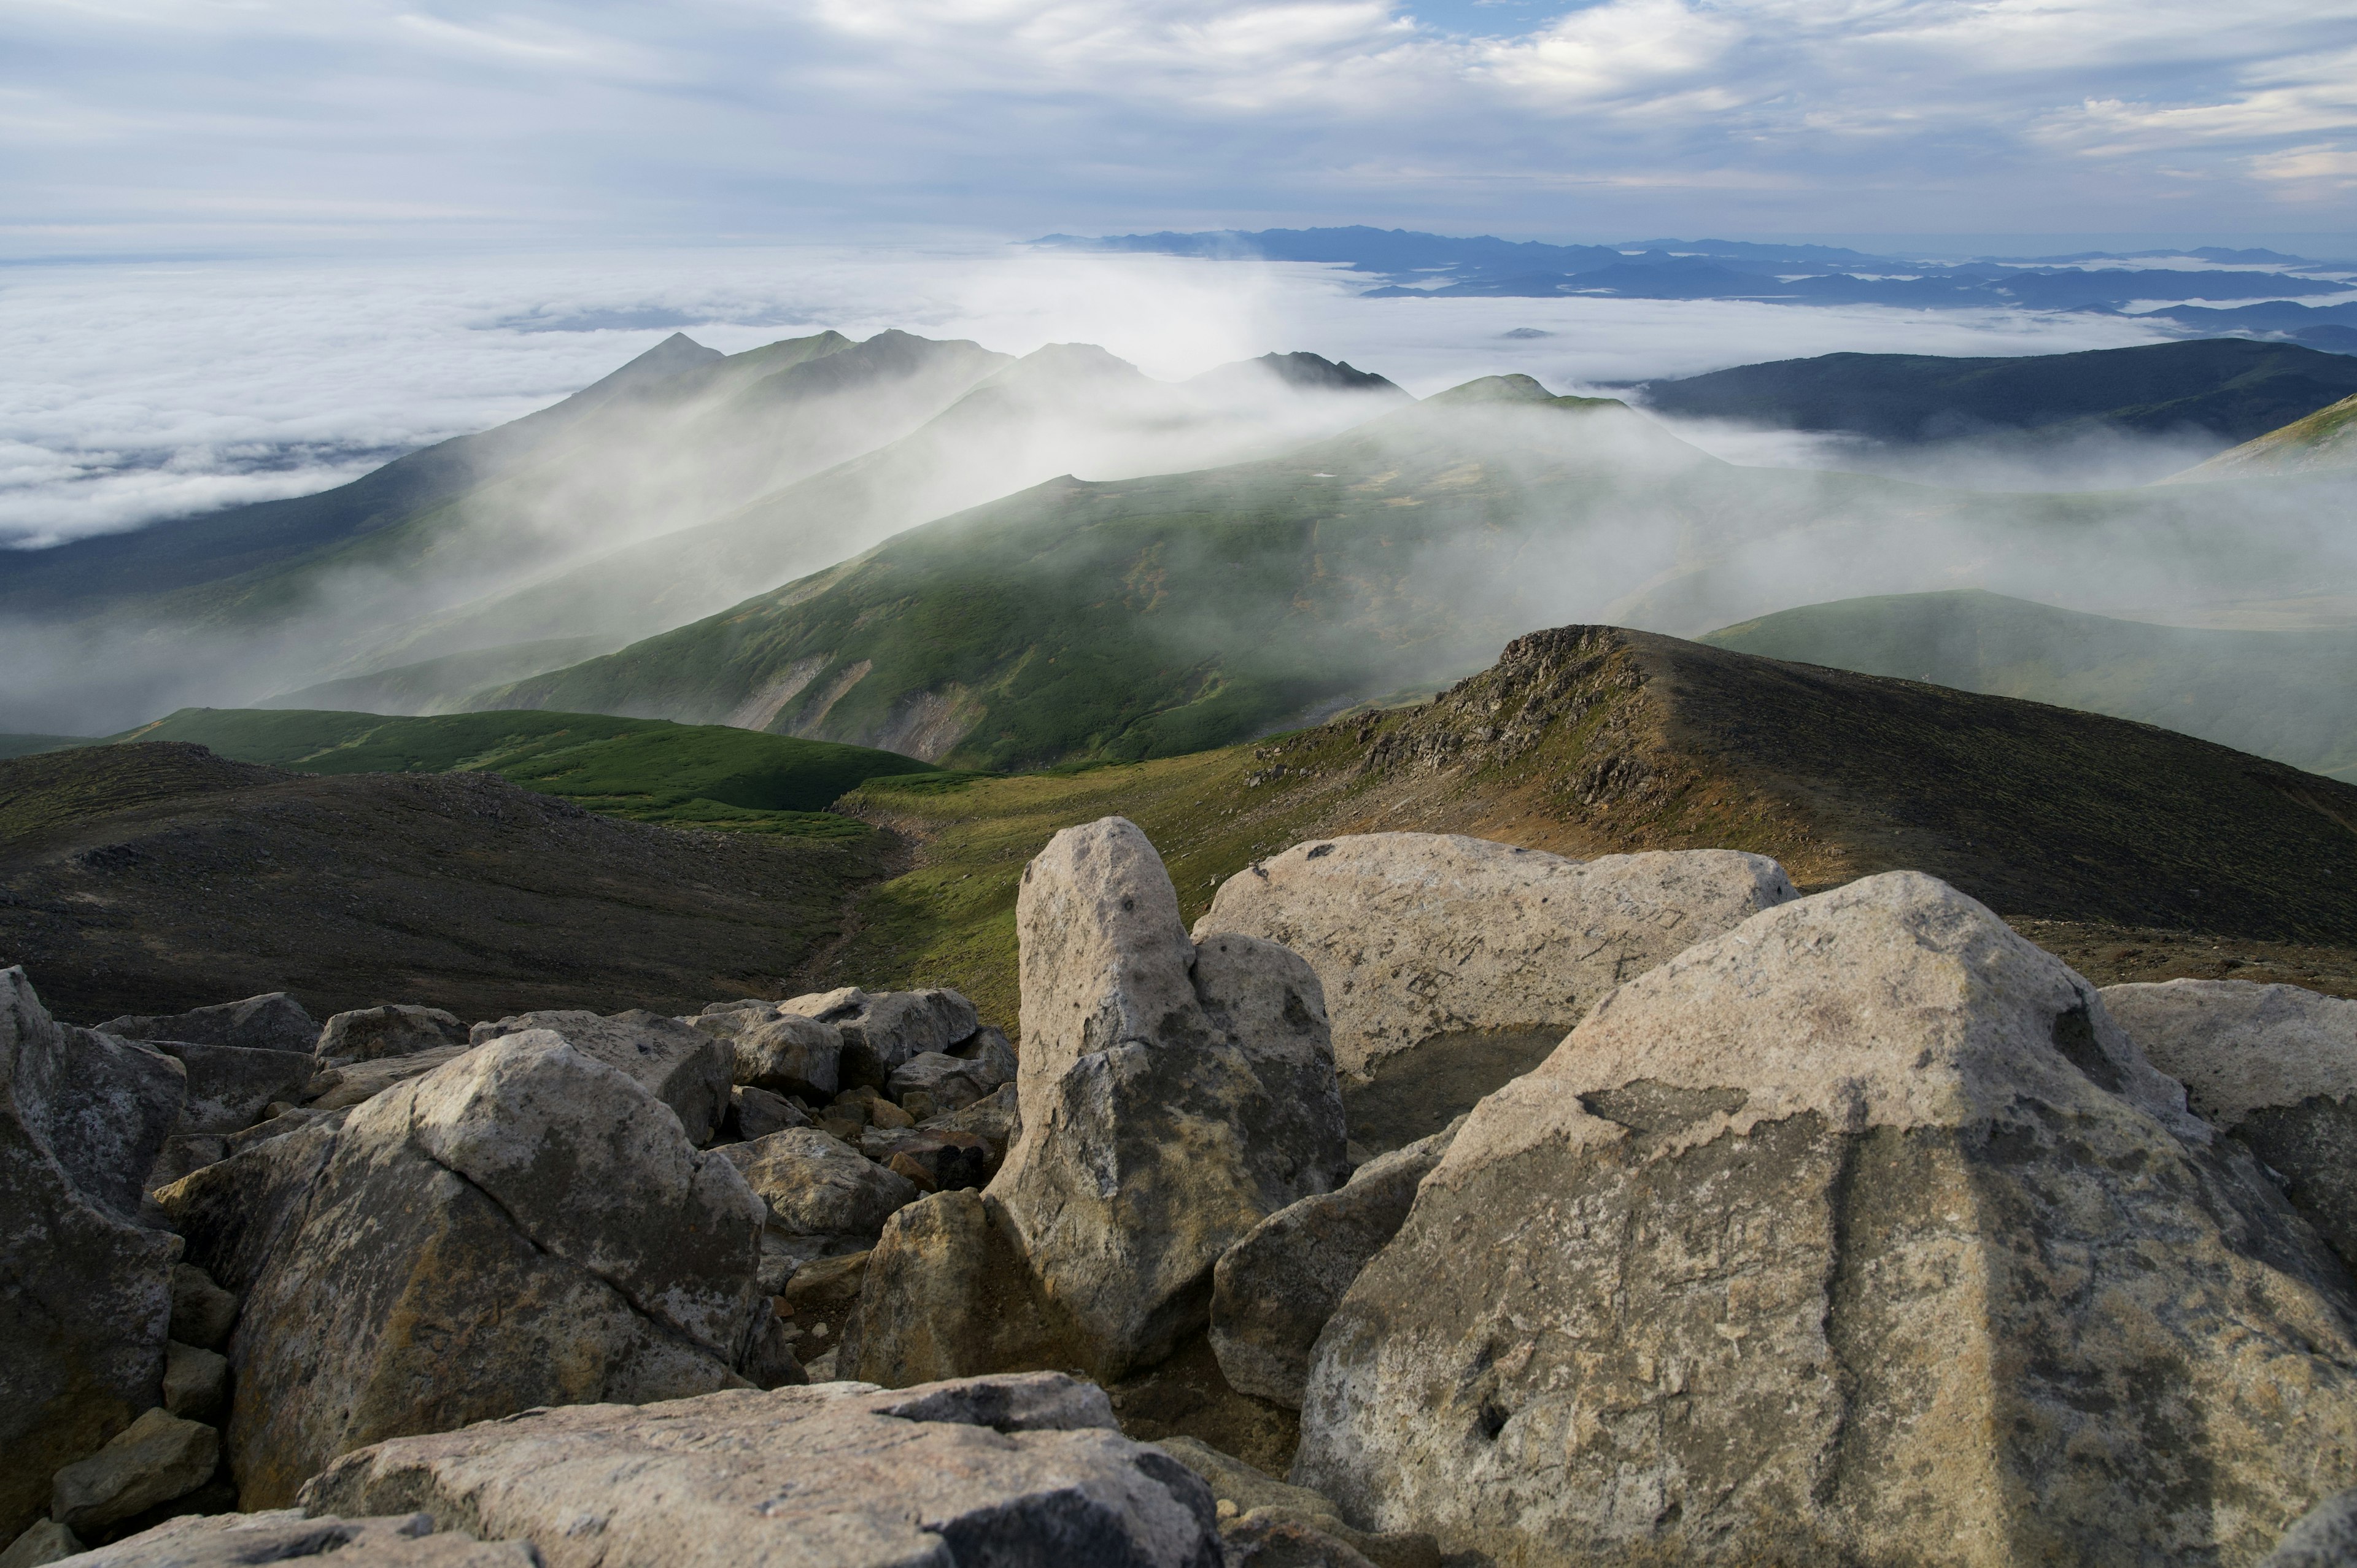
(206, 127)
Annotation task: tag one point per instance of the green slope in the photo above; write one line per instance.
(437, 685)
(643, 769)
(2325, 441)
(2289, 695)
(31, 745)
(2231, 388)
(1153, 617)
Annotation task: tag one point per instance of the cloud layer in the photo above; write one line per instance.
(149, 124)
(139, 391)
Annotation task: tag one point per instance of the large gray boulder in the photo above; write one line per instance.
(159, 1457)
(274, 1021)
(228, 1087)
(882, 1029)
(819, 1190)
(1173, 1095)
(1417, 935)
(789, 1054)
(85, 1288)
(2274, 1065)
(340, 1088)
(370, 1034)
(684, 1067)
(1858, 1234)
(1014, 1471)
(288, 1535)
(1274, 1290)
(524, 1225)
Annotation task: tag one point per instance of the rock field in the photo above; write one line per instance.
(1849, 1229)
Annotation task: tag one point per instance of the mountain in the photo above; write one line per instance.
(154, 878)
(1064, 409)
(1160, 615)
(437, 685)
(2281, 694)
(2226, 388)
(2136, 853)
(641, 769)
(2323, 442)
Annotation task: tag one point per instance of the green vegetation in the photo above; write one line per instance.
(2231, 388)
(646, 770)
(435, 685)
(2284, 694)
(2324, 441)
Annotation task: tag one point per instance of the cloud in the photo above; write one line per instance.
(139, 391)
(269, 126)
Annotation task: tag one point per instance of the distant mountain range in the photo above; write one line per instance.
(2203, 396)
(1437, 266)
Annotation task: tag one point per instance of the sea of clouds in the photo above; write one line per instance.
(143, 390)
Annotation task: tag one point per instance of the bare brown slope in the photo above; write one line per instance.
(157, 877)
(1592, 740)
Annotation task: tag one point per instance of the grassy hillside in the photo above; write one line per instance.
(151, 878)
(2326, 441)
(2135, 852)
(440, 685)
(26, 745)
(1153, 617)
(2288, 695)
(641, 769)
(2231, 388)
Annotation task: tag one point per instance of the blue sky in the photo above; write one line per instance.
(286, 126)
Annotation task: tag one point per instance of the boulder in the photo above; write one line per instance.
(1858, 1234)
(157, 1458)
(1274, 1290)
(2274, 1065)
(196, 1381)
(85, 1288)
(524, 1225)
(1257, 1513)
(230, 1086)
(789, 1054)
(998, 1470)
(202, 1312)
(757, 1113)
(943, 1161)
(340, 1088)
(948, 1291)
(1173, 1095)
(272, 1022)
(288, 1535)
(1416, 935)
(815, 1187)
(945, 1084)
(684, 1068)
(2325, 1537)
(43, 1541)
(883, 1029)
(993, 1051)
(1259, 1540)
(371, 1034)
(996, 1119)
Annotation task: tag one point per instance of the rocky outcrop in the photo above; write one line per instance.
(948, 1293)
(1858, 1234)
(1013, 1470)
(2274, 1065)
(524, 1225)
(228, 1087)
(789, 1054)
(85, 1288)
(684, 1067)
(1274, 1290)
(272, 1022)
(288, 1535)
(1415, 935)
(369, 1034)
